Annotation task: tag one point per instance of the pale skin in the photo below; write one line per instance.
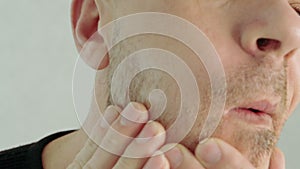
(237, 43)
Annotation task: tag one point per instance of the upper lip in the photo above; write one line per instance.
(263, 106)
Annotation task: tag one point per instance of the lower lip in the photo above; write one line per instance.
(259, 119)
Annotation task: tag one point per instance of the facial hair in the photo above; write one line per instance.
(245, 82)
(250, 82)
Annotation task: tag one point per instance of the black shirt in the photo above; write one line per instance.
(27, 156)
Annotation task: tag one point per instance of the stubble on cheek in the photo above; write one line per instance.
(244, 83)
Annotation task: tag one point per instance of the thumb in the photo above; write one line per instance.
(277, 159)
(217, 154)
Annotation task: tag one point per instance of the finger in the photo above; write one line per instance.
(158, 162)
(277, 160)
(98, 131)
(151, 138)
(180, 157)
(215, 153)
(118, 136)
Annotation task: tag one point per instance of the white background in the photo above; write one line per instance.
(37, 56)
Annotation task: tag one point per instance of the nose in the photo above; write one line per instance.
(271, 30)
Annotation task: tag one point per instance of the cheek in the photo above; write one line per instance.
(297, 77)
(293, 83)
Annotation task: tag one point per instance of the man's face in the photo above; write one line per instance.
(257, 42)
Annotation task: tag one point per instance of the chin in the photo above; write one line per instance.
(255, 143)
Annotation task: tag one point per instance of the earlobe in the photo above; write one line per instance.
(85, 19)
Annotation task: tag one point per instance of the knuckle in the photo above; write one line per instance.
(89, 166)
(124, 163)
(158, 162)
(88, 149)
(80, 159)
(75, 165)
(115, 143)
(78, 163)
(90, 146)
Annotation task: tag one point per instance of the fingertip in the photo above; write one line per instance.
(158, 127)
(158, 161)
(279, 153)
(208, 152)
(175, 157)
(277, 159)
(153, 130)
(134, 113)
(215, 153)
(179, 156)
(110, 114)
(138, 106)
(114, 108)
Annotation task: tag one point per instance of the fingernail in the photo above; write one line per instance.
(147, 133)
(209, 152)
(134, 113)
(158, 160)
(175, 157)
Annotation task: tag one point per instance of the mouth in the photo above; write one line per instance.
(258, 113)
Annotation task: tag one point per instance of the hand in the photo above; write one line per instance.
(124, 149)
(212, 154)
(115, 150)
(277, 160)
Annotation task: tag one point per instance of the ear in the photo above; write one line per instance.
(85, 18)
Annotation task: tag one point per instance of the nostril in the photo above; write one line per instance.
(265, 44)
(262, 43)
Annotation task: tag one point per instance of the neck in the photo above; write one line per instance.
(59, 153)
